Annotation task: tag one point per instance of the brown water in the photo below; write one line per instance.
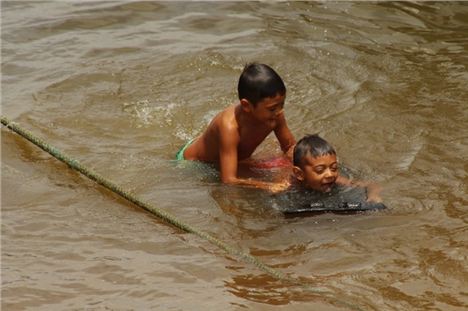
(120, 86)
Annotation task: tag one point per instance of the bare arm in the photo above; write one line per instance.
(285, 137)
(373, 189)
(228, 160)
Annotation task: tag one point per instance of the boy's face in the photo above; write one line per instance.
(269, 109)
(319, 173)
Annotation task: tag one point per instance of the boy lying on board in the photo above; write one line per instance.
(316, 167)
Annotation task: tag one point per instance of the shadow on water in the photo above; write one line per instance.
(263, 289)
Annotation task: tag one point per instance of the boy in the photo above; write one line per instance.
(316, 168)
(234, 133)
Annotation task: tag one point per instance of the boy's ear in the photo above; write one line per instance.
(246, 105)
(298, 173)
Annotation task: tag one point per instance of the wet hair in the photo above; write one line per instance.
(259, 81)
(312, 145)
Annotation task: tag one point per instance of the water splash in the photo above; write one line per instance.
(146, 113)
(140, 110)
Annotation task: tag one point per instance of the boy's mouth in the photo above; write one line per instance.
(327, 187)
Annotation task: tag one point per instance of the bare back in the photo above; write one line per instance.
(230, 124)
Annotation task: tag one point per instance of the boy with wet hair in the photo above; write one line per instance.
(316, 168)
(235, 133)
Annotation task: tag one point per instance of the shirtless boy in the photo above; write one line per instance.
(235, 133)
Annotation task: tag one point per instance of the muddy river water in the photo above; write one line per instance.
(120, 86)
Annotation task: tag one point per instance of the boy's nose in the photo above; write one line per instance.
(328, 173)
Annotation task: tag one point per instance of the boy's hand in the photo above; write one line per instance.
(279, 187)
(374, 198)
(373, 193)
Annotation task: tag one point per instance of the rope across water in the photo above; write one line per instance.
(165, 216)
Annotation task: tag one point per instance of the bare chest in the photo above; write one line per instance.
(250, 140)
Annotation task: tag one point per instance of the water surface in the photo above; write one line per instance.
(120, 86)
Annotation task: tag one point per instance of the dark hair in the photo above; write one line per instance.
(313, 145)
(258, 81)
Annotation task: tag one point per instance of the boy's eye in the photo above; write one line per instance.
(276, 107)
(319, 169)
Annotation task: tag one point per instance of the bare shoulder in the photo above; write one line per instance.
(226, 121)
(281, 121)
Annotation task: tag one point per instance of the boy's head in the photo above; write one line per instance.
(315, 163)
(259, 81)
(262, 93)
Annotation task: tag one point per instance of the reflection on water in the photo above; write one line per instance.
(121, 86)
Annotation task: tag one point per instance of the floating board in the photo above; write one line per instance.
(340, 199)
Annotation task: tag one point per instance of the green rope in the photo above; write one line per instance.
(165, 216)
